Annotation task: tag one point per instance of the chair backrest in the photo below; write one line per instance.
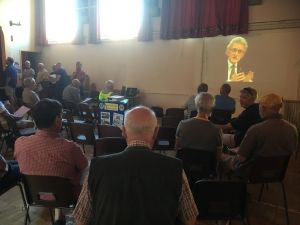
(110, 145)
(269, 169)
(12, 125)
(170, 121)
(83, 133)
(159, 111)
(178, 112)
(165, 139)
(197, 163)
(193, 113)
(67, 114)
(219, 116)
(71, 106)
(85, 112)
(220, 200)
(48, 191)
(109, 131)
(95, 109)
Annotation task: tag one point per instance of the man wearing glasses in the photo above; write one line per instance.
(235, 51)
(246, 119)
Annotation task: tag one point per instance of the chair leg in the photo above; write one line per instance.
(261, 192)
(285, 204)
(26, 207)
(51, 216)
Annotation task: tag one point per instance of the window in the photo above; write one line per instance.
(120, 19)
(61, 21)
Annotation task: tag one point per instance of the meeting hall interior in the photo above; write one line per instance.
(149, 112)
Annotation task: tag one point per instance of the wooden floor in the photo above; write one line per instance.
(267, 212)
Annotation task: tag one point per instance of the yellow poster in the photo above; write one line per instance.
(111, 106)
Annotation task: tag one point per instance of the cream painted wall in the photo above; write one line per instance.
(167, 72)
(23, 36)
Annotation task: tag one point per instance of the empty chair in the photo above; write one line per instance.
(165, 139)
(47, 191)
(219, 116)
(72, 107)
(177, 112)
(221, 200)
(110, 145)
(198, 164)
(270, 170)
(159, 111)
(12, 124)
(170, 121)
(83, 133)
(85, 112)
(109, 131)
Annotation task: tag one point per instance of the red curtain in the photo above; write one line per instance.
(40, 23)
(203, 18)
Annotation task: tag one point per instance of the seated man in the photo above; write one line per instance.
(246, 119)
(272, 137)
(46, 153)
(71, 93)
(189, 105)
(29, 97)
(224, 101)
(136, 186)
(9, 173)
(107, 91)
(199, 132)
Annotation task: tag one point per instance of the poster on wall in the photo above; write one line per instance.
(117, 119)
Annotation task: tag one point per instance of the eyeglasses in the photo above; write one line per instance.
(236, 50)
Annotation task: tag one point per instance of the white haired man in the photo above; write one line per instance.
(136, 186)
(235, 51)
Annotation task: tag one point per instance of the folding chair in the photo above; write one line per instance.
(159, 111)
(177, 112)
(270, 170)
(165, 139)
(47, 191)
(221, 200)
(170, 121)
(219, 116)
(109, 131)
(110, 145)
(86, 113)
(83, 133)
(198, 164)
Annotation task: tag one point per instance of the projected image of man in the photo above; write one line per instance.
(235, 51)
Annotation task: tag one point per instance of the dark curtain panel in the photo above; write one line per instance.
(2, 51)
(203, 18)
(40, 23)
(94, 23)
(145, 33)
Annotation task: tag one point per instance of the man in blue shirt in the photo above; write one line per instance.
(11, 75)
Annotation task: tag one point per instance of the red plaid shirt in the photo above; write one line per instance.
(46, 153)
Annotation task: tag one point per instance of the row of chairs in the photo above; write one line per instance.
(199, 164)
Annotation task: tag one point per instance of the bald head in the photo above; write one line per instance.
(270, 104)
(140, 124)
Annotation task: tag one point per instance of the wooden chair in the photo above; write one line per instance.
(177, 112)
(83, 133)
(219, 116)
(110, 145)
(270, 170)
(109, 131)
(198, 164)
(165, 139)
(47, 191)
(71, 106)
(221, 200)
(159, 111)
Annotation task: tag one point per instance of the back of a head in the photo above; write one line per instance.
(251, 92)
(225, 89)
(203, 87)
(10, 60)
(76, 83)
(29, 82)
(272, 102)
(140, 121)
(45, 112)
(204, 102)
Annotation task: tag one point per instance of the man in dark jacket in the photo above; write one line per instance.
(136, 186)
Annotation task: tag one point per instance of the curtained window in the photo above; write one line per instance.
(203, 18)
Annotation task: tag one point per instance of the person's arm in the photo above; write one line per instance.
(83, 210)
(188, 211)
